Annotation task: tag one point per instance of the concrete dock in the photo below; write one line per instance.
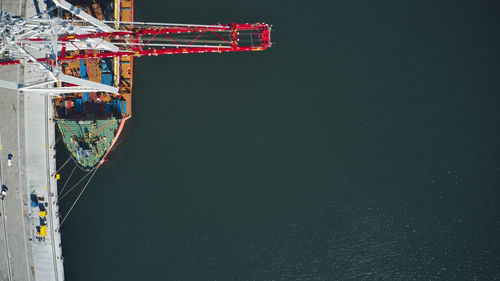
(27, 133)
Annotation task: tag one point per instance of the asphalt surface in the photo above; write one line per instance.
(16, 259)
(17, 264)
(6, 242)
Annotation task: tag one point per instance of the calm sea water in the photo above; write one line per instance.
(363, 146)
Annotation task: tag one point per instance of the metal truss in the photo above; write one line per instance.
(48, 42)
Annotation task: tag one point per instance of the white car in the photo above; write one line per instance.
(9, 160)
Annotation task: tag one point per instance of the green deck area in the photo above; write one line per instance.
(88, 140)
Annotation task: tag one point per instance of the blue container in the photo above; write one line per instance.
(124, 107)
(85, 97)
(117, 106)
(106, 65)
(34, 204)
(83, 69)
(78, 105)
(107, 79)
(108, 108)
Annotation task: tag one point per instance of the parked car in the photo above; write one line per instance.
(4, 192)
(9, 160)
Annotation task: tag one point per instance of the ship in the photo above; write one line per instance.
(90, 123)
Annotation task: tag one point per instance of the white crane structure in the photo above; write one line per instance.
(35, 40)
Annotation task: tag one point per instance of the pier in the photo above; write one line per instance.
(30, 243)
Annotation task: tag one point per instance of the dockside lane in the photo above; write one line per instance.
(28, 134)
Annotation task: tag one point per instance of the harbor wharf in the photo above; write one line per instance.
(30, 243)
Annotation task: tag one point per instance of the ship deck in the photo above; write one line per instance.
(120, 70)
(88, 141)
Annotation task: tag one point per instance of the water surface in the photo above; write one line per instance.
(362, 146)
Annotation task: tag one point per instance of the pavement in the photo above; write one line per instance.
(28, 133)
(15, 261)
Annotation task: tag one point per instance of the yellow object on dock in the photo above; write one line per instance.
(43, 230)
(43, 214)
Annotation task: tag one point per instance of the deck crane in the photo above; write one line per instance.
(49, 42)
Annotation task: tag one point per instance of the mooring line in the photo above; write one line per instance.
(69, 158)
(73, 187)
(76, 200)
(62, 189)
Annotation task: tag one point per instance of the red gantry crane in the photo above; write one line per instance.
(49, 42)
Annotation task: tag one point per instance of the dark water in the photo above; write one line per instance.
(363, 146)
